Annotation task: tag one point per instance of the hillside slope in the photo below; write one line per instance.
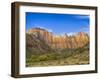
(45, 49)
(77, 56)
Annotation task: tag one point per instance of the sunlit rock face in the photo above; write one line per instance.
(59, 41)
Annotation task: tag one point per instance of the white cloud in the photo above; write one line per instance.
(50, 30)
(71, 33)
(82, 17)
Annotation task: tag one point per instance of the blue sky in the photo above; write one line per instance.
(58, 23)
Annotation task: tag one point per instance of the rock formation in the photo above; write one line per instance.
(60, 42)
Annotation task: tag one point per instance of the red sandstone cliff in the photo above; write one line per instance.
(78, 40)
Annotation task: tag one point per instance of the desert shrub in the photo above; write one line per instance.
(42, 57)
(50, 56)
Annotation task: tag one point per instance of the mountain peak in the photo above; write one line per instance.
(81, 33)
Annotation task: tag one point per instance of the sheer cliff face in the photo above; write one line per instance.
(60, 42)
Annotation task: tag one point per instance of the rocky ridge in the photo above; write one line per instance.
(48, 39)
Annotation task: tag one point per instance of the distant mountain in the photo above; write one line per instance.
(43, 40)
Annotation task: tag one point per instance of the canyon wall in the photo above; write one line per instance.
(60, 41)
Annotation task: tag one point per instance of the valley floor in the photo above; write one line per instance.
(75, 59)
